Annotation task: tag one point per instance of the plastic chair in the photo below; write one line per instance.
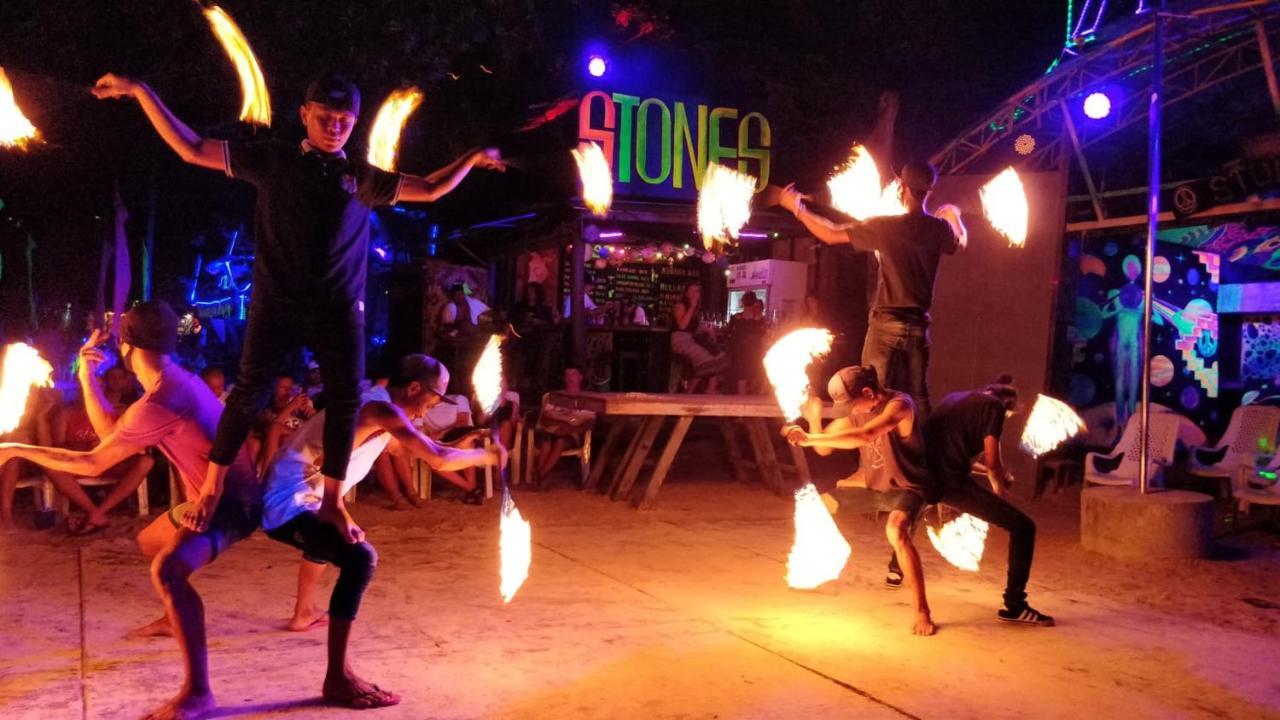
(41, 489)
(1251, 432)
(144, 504)
(582, 452)
(1120, 466)
(1243, 489)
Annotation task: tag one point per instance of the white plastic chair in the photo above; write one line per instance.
(1251, 433)
(582, 452)
(144, 505)
(41, 489)
(1162, 437)
(1245, 493)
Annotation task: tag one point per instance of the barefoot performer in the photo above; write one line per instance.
(311, 235)
(177, 414)
(303, 507)
(883, 425)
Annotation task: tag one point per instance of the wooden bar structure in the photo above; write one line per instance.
(639, 418)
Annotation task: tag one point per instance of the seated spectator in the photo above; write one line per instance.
(120, 387)
(559, 429)
(217, 382)
(747, 332)
(588, 304)
(462, 314)
(631, 313)
(451, 423)
(72, 429)
(39, 405)
(286, 412)
(534, 311)
(688, 339)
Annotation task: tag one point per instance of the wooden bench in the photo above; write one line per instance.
(639, 417)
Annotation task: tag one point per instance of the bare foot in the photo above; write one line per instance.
(924, 624)
(185, 706)
(308, 621)
(401, 503)
(155, 628)
(353, 692)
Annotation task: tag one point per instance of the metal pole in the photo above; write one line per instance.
(1268, 67)
(1153, 220)
(1084, 166)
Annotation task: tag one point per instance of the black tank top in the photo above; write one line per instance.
(893, 462)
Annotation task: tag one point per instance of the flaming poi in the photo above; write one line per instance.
(1051, 423)
(856, 188)
(597, 181)
(256, 105)
(384, 136)
(23, 370)
(819, 552)
(961, 541)
(1004, 202)
(795, 350)
(724, 204)
(16, 131)
(515, 535)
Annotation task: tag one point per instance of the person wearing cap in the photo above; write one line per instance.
(311, 236)
(299, 497)
(968, 425)
(886, 429)
(177, 414)
(909, 248)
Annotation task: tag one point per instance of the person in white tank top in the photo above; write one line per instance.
(305, 509)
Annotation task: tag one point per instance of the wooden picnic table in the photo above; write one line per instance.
(638, 418)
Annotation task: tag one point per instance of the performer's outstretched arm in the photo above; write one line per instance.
(820, 227)
(441, 182)
(90, 463)
(855, 437)
(413, 442)
(178, 135)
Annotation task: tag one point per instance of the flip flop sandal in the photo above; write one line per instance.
(84, 528)
(368, 700)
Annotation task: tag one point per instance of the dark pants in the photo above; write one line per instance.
(321, 542)
(276, 328)
(967, 496)
(899, 351)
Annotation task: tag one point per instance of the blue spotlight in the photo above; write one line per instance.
(1097, 105)
(597, 66)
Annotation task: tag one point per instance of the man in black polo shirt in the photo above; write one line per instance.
(311, 236)
(909, 248)
(967, 425)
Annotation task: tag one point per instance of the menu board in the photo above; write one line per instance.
(654, 286)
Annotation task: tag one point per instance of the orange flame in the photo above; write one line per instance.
(15, 129)
(786, 363)
(597, 182)
(384, 137)
(1004, 202)
(487, 375)
(23, 369)
(820, 551)
(856, 188)
(1051, 423)
(724, 204)
(514, 547)
(961, 541)
(256, 106)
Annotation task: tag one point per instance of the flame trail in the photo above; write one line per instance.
(1051, 423)
(819, 552)
(597, 182)
(256, 105)
(724, 204)
(856, 189)
(1004, 202)
(384, 137)
(23, 369)
(16, 131)
(786, 362)
(961, 541)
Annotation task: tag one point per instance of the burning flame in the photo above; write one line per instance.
(23, 370)
(15, 129)
(597, 181)
(856, 189)
(384, 137)
(256, 107)
(961, 541)
(724, 204)
(1004, 202)
(786, 362)
(1051, 423)
(487, 375)
(514, 545)
(820, 551)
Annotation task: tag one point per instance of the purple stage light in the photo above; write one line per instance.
(597, 66)
(1097, 105)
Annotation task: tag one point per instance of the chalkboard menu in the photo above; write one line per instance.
(654, 286)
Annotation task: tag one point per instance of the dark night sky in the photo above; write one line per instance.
(815, 68)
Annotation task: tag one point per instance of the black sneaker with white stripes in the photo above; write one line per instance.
(893, 579)
(1026, 615)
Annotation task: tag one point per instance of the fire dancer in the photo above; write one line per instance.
(909, 248)
(967, 425)
(884, 426)
(303, 507)
(312, 240)
(178, 414)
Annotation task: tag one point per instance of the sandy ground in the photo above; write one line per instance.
(680, 612)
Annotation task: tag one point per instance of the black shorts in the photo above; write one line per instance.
(865, 500)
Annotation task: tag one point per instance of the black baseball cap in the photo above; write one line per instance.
(151, 325)
(848, 383)
(919, 176)
(424, 369)
(335, 90)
